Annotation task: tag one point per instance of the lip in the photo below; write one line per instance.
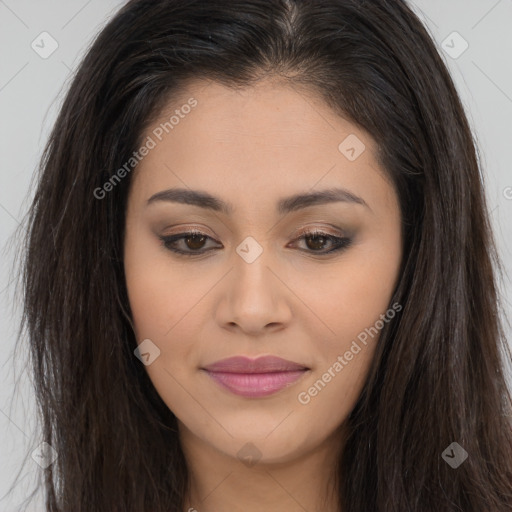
(264, 364)
(254, 378)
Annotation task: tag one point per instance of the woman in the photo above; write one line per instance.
(260, 273)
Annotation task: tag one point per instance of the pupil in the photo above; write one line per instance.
(316, 238)
(195, 237)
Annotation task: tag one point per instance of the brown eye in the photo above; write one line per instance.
(195, 241)
(188, 244)
(316, 242)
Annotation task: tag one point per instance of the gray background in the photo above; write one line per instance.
(31, 89)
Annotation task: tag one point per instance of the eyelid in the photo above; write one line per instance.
(306, 230)
(311, 230)
(190, 228)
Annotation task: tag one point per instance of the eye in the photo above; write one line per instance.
(316, 240)
(193, 240)
(193, 243)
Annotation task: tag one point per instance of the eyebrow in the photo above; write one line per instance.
(284, 205)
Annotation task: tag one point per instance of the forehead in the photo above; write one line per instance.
(270, 113)
(254, 141)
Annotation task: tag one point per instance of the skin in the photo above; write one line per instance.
(252, 147)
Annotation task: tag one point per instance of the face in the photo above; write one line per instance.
(265, 272)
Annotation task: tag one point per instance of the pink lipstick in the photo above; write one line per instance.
(255, 378)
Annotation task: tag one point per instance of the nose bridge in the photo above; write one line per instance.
(253, 297)
(252, 277)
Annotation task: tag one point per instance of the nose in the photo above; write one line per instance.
(254, 299)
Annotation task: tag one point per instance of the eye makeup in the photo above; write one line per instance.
(313, 238)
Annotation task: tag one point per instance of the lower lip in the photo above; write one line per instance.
(255, 385)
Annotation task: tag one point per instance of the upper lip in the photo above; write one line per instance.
(264, 364)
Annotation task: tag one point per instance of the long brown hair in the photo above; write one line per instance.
(437, 375)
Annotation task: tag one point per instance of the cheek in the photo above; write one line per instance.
(353, 301)
(157, 294)
(167, 302)
(159, 291)
(345, 353)
(326, 401)
(150, 298)
(159, 306)
(352, 296)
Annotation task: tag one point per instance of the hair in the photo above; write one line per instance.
(437, 375)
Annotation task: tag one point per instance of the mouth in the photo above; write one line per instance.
(254, 378)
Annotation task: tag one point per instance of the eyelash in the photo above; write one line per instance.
(340, 243)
